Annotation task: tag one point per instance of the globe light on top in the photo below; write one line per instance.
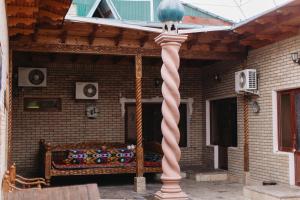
(170, 13)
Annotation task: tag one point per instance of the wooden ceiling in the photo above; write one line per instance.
(36, 58)
(39, 26)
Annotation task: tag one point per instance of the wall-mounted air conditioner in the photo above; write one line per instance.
(246, 81)
(86, 90)
(32, 77)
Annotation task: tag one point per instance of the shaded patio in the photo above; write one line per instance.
(86, 38)
(195, 190)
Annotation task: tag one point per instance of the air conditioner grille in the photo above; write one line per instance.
(252, 80)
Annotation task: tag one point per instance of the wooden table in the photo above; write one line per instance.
(78, 192)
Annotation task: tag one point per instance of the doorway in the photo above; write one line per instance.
(289, 126)
(223, 128)
(152, 117)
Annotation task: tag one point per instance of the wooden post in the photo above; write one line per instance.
(246, 134)
(139, 181)
(246, 127)
(9, 109)
(139, 119)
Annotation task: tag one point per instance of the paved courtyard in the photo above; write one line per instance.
(195, 190)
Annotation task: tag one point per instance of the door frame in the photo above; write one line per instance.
(276, 151)
(189, 106)
(207, 127)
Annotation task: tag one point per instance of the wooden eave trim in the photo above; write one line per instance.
(107, 50)
(23, 10)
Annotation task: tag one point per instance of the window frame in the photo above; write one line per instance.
(293, 125)
(52, 109)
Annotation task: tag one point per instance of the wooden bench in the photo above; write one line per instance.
(12, 182)
(77, 192)
(50, 170)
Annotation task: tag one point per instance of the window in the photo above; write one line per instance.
(223, 119)
(289, 120)
(152, 118)
(42, 104)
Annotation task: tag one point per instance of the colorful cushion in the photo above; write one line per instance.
(90, 156)
(124, 155)
(99, 156)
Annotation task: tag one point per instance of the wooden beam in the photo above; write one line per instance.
(288, 10)
(21, 10)
(63, 36)
(118, 38)
(25, 1)
(52, 16)
(14, 31)
(14, 21)
(92, 35)
(192, 41)
(55, 4)
(112, 50)
(143, 40)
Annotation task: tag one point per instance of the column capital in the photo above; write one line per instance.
(165, 38)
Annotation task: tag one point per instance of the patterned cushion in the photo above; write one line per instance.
(99, 156)
(89, 156)
(124, 155)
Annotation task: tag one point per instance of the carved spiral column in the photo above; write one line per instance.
(246, 134)
(171, 135)
(9, 105)
(139, 118)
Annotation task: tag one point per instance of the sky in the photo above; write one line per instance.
(237, 10)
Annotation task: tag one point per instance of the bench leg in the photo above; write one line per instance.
(48, 181)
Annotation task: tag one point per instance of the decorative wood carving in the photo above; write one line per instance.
(111, 50)
(139, 118)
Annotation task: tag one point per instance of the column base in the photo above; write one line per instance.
(140, 184)
(171, 189)
(175, 196)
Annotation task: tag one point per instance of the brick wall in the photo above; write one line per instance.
(276, 72)
(71, 124)
(3, 115)
(224, 89)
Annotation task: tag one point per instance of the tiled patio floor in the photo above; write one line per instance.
(195, 190)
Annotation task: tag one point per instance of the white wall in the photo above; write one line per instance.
(3, 117)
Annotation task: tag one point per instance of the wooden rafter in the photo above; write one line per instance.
(92, 35)
(14, 21)
(143, 40)
(119, 38)
(15, 31)
(63, 36)
(21, 10)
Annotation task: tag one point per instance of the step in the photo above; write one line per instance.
(207, 176)
(276, 192)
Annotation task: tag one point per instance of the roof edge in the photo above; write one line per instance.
(237, 25)
(207, 12)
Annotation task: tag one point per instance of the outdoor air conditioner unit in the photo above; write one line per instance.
(32, 77)
(86, 90)
(246, 81)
